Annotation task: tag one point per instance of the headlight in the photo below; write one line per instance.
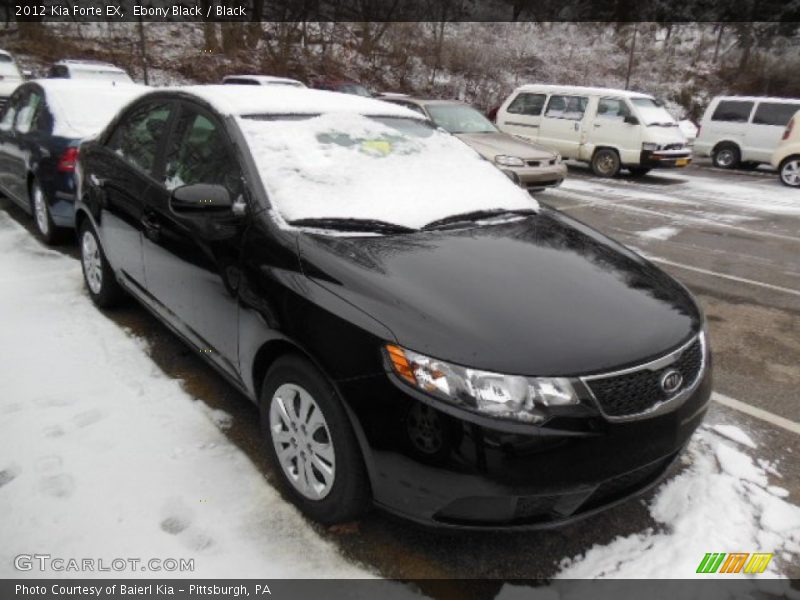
(509, 161)
(650, 146)
(493, 394)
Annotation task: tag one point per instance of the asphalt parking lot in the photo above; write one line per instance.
(732, 237)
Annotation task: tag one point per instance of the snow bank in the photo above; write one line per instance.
(720, 503)
(104, 456)
(396, 170)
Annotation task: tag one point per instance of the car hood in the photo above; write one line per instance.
(544, 295)
(664, 135)
(490, 145)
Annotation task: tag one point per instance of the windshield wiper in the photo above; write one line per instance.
(352, 224)
(476, 215)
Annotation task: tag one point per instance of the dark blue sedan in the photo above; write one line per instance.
(40, 129)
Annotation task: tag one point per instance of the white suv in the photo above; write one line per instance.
(786, 157)
(10, 76)
(743, 130)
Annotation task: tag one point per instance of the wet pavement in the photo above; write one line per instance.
(742, 262)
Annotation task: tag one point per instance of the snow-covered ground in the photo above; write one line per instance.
(103, 456)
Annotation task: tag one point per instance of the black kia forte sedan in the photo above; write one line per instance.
(41, 126)
(417, 332)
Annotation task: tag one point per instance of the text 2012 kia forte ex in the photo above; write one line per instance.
(417, 331)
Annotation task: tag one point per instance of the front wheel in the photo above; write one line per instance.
(606, 163)
(789, 171)
(311, 443)
(98, 275)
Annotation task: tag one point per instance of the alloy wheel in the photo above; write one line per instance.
(790, 173)
(302, 441)
(726, 158)
(92, 262)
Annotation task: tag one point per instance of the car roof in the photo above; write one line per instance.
(264, 78)
(756, 99)
(237, 100)
(91, 64)
(89, 85)
(579, 89)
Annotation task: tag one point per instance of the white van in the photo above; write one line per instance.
(610, 129)
(743, 130)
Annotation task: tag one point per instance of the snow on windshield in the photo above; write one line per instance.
(398, 170)
(80, 111)
(652, 113)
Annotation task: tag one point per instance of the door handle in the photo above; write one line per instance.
(151, 227)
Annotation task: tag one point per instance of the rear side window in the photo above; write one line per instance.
(527, 104)
(58, 72)
(774, 113)
(29, 111)
(567, 107)
(240, 81)
(11, 109)
(136, 138)
(733, 111)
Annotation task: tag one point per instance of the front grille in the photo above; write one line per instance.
(640, 391)
(674, 147)
(533, 163)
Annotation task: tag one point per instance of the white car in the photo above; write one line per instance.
(261, 80)
(607, 128)
(743, 130)
(88, 69)
(10, 76)
(786, 157)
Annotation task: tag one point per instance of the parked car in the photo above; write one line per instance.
(533, 167)
(10, 76)
(415, 329)
(689, 131)
(786, 157)
(40, 129)
(609, 129)
(743, 131)
(344, 86)
(261, 80)
(88, 69)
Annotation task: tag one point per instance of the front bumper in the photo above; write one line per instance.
(665, 159)
(539, 178)
(492, 474)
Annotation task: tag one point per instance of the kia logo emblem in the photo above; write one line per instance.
(671, 381)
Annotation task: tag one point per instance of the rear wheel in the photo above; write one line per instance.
(101, 283)
(638, 171)
(311, 443)
(726, 156)
(789, 171)
(606, 163)
(46, 230)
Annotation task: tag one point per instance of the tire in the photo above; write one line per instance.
(46, 230)
(789, 171)
(606, 163)
(321, 470)
(638, 171)
(726, 156)
(101, 283)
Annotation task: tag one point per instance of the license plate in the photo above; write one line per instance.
(681, 162)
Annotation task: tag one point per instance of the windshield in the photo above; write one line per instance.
(459, 118)
(652, 113)
(396, 170)
(354, 88)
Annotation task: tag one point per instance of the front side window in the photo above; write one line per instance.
(774, 113)
(527, 104)
(460, 118)
(200, 153)
(29, 111)
(733, 111)
(137, 137)
(567, 107)
(612, 108)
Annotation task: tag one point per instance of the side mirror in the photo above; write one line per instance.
(201, 197)
(631, 120)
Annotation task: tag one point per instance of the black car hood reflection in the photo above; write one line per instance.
(543, 295)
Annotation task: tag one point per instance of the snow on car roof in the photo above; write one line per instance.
(578, 89)
(758, 99)
(83, 107)
(238, 100)
(90, 65)
(266, 79)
